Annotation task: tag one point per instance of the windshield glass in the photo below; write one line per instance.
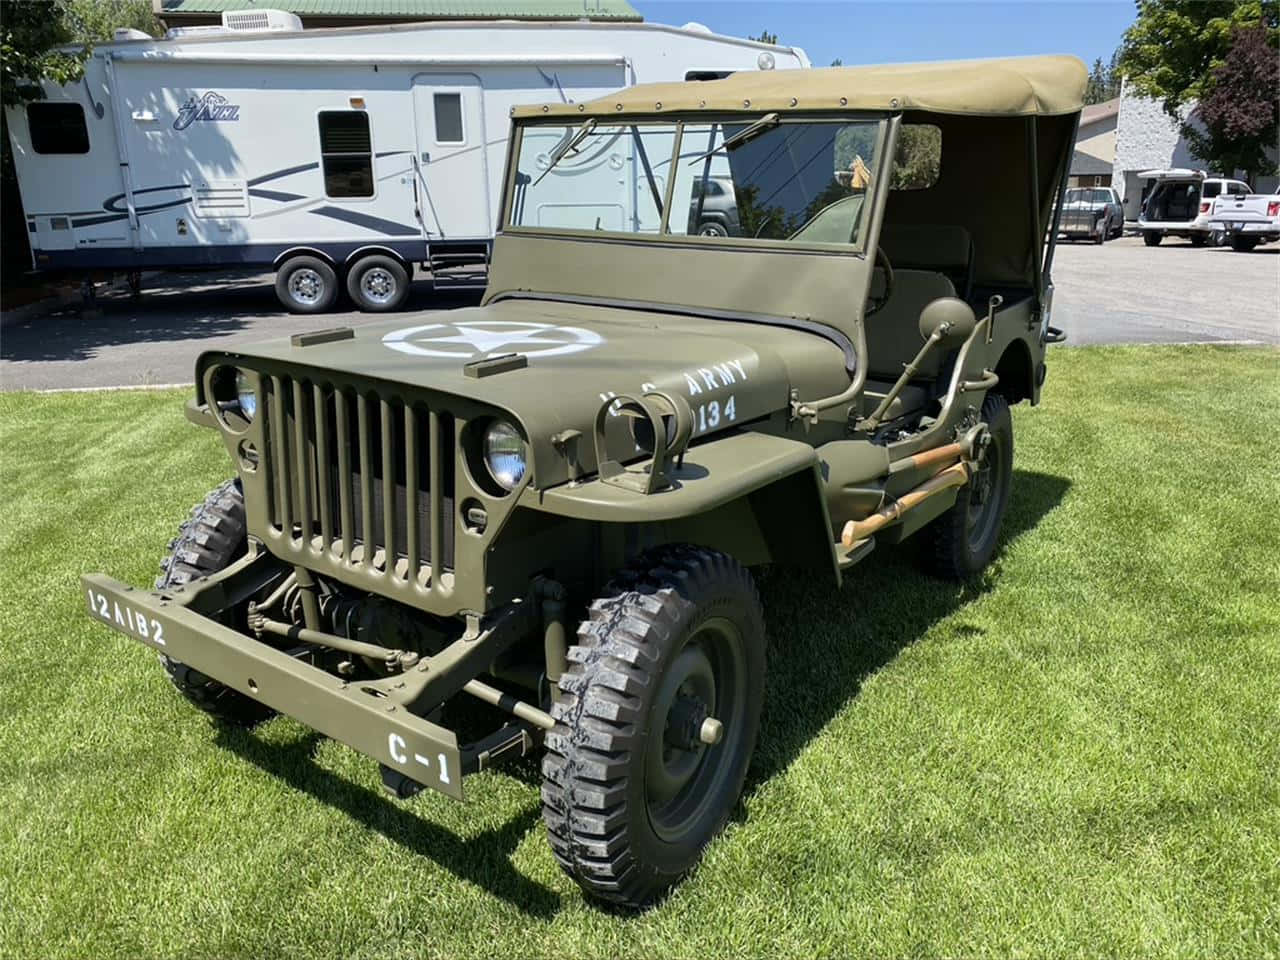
(799, 182)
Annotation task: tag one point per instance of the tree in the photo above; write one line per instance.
(765, 37)
(1095, 88)
(837, 62)
(29, 36)
(38, 40)
(1173, 46)
(1240, 108)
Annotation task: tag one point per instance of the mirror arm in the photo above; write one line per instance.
(909, 371)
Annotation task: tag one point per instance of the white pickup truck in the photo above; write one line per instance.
(1247, 221)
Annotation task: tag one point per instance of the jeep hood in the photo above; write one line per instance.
(578, 356)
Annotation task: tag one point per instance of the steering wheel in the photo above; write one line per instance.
(875, 303)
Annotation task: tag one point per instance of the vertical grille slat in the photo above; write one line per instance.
(388, 488)
(324, 493)
(366, 477)
(413, 524)
(435, 488)
(302, 461)
(280, 434)
(345, 509)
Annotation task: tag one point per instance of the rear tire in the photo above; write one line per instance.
(210, 540)
(962, 541)
(630, 793)
(1243, 244)
(1199, 239)
(1152, 238)
(712, 228)
(378, 283)
(306, 285)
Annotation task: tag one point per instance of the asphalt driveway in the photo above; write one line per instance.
(1122, 292)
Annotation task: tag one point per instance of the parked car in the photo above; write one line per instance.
(1092, 212)
(713, 208)
(1179, 204)
(1247, 221)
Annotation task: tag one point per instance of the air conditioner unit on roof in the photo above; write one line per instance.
(261, 21)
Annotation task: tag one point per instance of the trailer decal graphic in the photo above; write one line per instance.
(211, 108)
(465, 339)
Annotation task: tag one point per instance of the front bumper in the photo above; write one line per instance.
(418, 750)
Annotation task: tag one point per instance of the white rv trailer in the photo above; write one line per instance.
(323, 154)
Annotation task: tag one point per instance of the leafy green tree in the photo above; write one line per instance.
(1240, 108)
(51, 39)
(1095, 88)
(1172, 48)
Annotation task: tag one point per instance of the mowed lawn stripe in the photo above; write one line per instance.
(1077, 754)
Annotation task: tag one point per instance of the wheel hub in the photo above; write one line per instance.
(379, 285)
(685, 723)
(306, 285)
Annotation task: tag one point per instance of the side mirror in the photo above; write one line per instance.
(948, 319)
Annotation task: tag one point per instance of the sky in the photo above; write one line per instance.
(861, 31)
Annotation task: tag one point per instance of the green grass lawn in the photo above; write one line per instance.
(1077, 756)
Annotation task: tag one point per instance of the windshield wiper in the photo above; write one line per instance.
(572, 142)
(767, 122)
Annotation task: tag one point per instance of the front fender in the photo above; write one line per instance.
(756, 496)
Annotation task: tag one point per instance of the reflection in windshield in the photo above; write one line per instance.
(802, 182)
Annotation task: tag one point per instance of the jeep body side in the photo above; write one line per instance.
(550, 503)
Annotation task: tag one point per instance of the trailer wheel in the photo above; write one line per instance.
(964, 538)
(210, 540)
(306, 285)
(1152, 238)
(656, 725)
(1243, 244)
(377, 283)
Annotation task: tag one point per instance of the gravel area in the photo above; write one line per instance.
(1121, 292)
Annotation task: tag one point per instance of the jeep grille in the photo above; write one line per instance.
(360, 477)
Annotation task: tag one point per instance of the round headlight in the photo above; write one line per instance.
(504, 454)
(246, 395)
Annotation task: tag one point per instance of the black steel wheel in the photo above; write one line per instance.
(210, 540)
(656, 725)
(963, 539)
(306, 285)
(378, 283)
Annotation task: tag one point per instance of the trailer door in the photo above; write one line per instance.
(451, 162)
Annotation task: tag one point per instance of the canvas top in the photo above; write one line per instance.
(1021, 87)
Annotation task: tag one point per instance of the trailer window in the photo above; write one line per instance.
(448, 107)
(346, 151)
(57, 128)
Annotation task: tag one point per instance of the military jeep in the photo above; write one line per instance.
(549, 504)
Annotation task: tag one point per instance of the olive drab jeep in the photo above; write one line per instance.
(550, 503)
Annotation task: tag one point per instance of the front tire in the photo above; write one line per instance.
(210, 540)
(963, 540)
(632, 789)
(378, 284)
(306, 285)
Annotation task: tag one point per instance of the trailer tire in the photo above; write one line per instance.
(1243, 244)
(212, 538)
(306, 284)
(377, 283)
(1152, 238)
(632, 789)
(961, 542)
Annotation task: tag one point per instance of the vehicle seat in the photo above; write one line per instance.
(893, 331)
(945, 248)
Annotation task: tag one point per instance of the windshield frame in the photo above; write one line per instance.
(881, 170)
